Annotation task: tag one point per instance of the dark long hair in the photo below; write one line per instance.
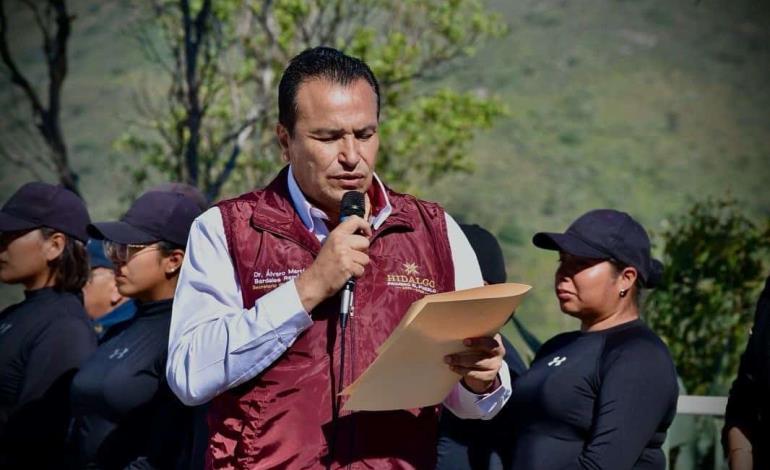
(70, 270)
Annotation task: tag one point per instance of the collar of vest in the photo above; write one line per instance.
(277, 214)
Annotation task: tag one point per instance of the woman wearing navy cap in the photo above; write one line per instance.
(602, 397)
(44, 338)
(125, 414)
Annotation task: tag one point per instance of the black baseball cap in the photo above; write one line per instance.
(488, 253)
(39, 204)
(606, 234)
(183, 188)
(155, 216)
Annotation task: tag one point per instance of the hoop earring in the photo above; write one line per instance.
(623, 292)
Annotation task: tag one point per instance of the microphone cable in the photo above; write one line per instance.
(353, 203)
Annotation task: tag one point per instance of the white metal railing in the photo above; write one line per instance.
(701, 405)
(683, 432)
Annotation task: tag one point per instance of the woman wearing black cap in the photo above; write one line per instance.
(602, 397)
(125, 414)
(45, 338)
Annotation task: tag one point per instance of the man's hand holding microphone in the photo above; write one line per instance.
(343, 255)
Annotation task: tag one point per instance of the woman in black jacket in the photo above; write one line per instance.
(747, 421)
(44, 338)
(125, 414)
(604, 396)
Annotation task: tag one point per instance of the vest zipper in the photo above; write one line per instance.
(349, 339)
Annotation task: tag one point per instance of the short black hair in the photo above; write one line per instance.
(319, 62)
(70, 269)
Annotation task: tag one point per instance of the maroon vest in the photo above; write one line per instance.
(282, 418)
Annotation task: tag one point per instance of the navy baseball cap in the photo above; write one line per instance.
(97, 258)
(183, 188)
(607, 234)
(488, 253)
(39, 204)
(155, 216)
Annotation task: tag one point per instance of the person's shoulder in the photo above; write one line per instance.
(63, 305)
(637, 336)
(274, 197)
(150, 330)
(239, 208)
(557, 342)
(243, 200)
(67, 321)
(10, 309)
(73, 314)
(562, 338)
(638, 343)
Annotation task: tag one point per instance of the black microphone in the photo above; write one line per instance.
(352, 204)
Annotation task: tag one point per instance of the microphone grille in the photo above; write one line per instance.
(352, 204)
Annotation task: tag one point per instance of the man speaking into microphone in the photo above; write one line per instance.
(256, 326)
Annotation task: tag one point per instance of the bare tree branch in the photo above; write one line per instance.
(16, 76)
(42, 25)
(46, 119)
(216, 187)
(194, 31)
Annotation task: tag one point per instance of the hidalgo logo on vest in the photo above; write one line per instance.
(272, 278)
(409, 278)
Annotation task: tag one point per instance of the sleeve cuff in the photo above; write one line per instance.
(465, 404)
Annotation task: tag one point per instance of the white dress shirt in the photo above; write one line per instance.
(216, 344)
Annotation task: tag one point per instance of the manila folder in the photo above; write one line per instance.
(409, 371)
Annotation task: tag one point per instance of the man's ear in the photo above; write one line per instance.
(115, 296)
(283, 138)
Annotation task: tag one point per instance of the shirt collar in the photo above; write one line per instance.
(121, 313)
(378, 197)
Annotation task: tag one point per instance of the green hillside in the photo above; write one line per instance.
(643, 106)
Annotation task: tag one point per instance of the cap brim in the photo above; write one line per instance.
(120, 232)
(568, 244)
(9, 223)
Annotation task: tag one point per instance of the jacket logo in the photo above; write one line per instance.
(557, 361)
(270, 279)
(118, 353)
(410, 269)
(409, 278)
(5, 327)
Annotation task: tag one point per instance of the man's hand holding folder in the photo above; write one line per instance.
(459, 329)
